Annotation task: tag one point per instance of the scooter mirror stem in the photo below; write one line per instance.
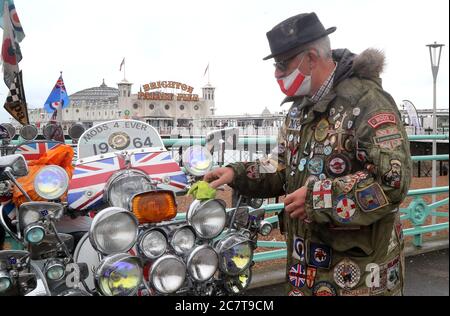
(8, 172)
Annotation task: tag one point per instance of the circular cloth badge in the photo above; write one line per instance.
(324, 288)
(346, 274)
(315, 166)
(119, 140)
(337, 165)
(345, 209)
(321, 131)
(296, 292)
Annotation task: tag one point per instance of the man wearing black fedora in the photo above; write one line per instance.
(343, 163)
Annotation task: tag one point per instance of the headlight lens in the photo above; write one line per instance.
(5, 281)
(235, 254)
(183, 240)
(54, 270)
(51, 182)
(119, 275)
(168, 274)
(113, 230)
(202, 263)
(238, 283)
(265, 228)
(197, 160)
(124, 186)
(153, 244)
(208, 218)
(34, 233)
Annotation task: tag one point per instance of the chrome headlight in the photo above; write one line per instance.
(119, 275)
(208, 218)
(153, 243)
(113, 230)
(239, 283)
(197, 160)
(235, 254)
(54, 270)
(34, 233)
(124, 186)
(5, 281)
(265, 228)
(51, 182)
(202, 263)
(183, 240)
(168, 274)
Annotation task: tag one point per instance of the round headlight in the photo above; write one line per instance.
(197, 160)
(208, 218)
(265, 228)
(51, 182)
(153, 244)
(54, 270)
(239, 283)
(168, 274)
(183, 240)
(34, 233)
(235, 254)
(202, 263)
(5, 281)
(122, 188)
(119, 275)
(113, 230)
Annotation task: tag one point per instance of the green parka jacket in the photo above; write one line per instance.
(352, 152)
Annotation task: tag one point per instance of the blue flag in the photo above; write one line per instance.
(57, 97)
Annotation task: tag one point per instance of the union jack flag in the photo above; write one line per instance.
(86, 188)
(297, 275)
(34, 150)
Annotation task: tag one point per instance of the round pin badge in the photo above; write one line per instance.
(349, 124)
(348, 144)
(346, 274)
(340, 108)
(322, 176)
(327, 150)
(324, 288)
(332, 111)
(315, 166)
(294, 112)
(291, 138)
(302, 164)
(337, 165)
(356, 111)
(345, 209)
(321, 131)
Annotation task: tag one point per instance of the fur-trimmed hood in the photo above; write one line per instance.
(369, 64)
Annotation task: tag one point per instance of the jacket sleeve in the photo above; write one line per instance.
(262, 178)
(381, 173)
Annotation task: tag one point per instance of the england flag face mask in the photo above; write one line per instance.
(296, 83)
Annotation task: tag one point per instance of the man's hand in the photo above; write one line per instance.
(219, 177)
(294, 203)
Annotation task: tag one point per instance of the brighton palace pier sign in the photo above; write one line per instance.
(162, 96)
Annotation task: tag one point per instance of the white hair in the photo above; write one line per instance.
(322, 46)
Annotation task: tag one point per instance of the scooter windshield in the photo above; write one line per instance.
(117, 136)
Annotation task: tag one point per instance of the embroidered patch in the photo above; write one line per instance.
(311, 273)
(345, 209)
(388, 138)
(373, 278)
(297, 275)
(393, 274)
(319, 255)
(399, 230)
(358, 292)
(371, 198)
(315, 166)
(378, 278)
(337, 165)
(324, 288)
(346, 274)
(393, 177)
(345, 184)
(294, 112)
(322, 195)
(382, 118)
(299, 249)
(321, 131)
(296, 292)
(252, 172)
(392, 241)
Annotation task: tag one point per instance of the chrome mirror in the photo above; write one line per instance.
(28, 132)
(15, 164)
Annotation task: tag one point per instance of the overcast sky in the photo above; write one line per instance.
(175, 40)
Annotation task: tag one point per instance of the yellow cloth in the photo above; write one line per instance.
(202, 191)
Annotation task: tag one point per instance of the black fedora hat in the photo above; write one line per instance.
(296, 31)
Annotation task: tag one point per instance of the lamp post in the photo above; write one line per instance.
(435, 58)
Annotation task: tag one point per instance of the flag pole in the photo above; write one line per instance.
(59, 107)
